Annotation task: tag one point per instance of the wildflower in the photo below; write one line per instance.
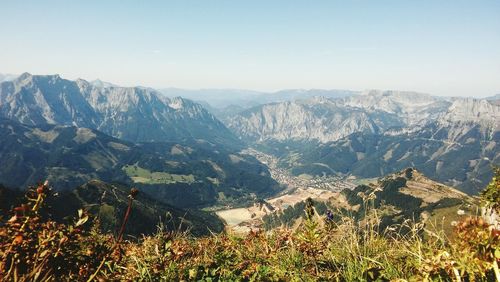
(18, 239)
(42, 188)
(133, 193)
(12, 219)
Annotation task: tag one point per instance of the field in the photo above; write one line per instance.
(141, 175)
(235, 216)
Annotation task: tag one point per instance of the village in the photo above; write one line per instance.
(296, 189)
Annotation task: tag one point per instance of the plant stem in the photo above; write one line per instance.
(125, 219)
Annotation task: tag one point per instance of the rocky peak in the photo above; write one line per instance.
(176, 103)
(102, 84)
(392, 101)
(473, 110)
(25, 76)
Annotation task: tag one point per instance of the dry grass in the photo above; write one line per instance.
(33, 248)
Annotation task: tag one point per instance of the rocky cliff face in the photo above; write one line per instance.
(315, 119)
(132, 113)
(390, 112)
(36, 100)
(480, 111)
(410, 107)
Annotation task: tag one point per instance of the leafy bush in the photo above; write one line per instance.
(491, 194)
(35, 248)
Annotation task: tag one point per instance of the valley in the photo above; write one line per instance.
(295, 189)
(291, 182)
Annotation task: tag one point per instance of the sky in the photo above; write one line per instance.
(446, 48)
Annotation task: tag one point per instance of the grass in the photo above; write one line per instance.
(34, 248)
(141, 175)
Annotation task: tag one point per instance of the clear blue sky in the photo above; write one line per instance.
(435, 46)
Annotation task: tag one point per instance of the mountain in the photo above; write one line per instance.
(452, 140)
(412, 108)
(102, 84)
(134, 114)
(465, 162)
(326, 120)
(302, 94)
(479, 111)
(313, 119)
(410, 195)
(191, 174)
(66, 156)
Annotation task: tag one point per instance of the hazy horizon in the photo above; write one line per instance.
(249, 91)
(445, 48)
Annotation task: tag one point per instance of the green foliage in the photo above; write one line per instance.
(491, 194)
(35, 248)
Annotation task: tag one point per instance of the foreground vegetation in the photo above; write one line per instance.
(35, 248)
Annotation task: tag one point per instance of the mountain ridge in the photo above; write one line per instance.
(132, 113)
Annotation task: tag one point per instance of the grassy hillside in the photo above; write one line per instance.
(32, 247)
(141, 175)
(406, 195)
(193, 173)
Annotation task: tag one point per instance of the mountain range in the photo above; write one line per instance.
(134, 114)
(325, 120)
(453, 140)
(187, 155)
